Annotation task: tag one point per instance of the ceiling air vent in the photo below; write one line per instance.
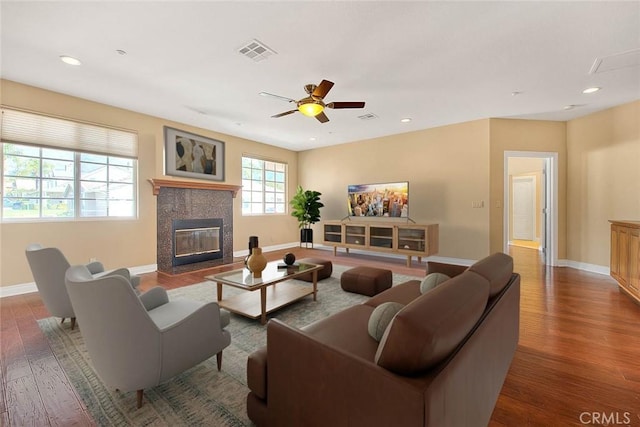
(630, 58)
(368, 116)
(256, 50)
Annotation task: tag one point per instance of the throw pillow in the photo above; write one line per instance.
(431, 281)
(381, 317)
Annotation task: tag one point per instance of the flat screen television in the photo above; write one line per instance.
(390, 199)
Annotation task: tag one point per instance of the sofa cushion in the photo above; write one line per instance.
(428, 329)
(346, 330)
(497, 269)
(451, 270)
(381, 317)
(431, 281)
(403, 293)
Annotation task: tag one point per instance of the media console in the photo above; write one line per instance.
(397, 238)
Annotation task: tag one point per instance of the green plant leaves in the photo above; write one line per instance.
(305, 207)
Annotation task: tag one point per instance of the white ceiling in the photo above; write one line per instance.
(436, 62)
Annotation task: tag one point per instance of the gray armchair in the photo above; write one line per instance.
(48, 266)
(139, 342)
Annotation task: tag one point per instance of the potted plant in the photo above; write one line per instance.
(305, 207)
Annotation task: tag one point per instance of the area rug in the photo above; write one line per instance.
(201, 396)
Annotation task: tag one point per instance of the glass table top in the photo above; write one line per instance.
(271, 274)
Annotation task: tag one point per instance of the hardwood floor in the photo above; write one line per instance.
(577, 363)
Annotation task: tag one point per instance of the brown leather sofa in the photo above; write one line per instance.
(441, 362)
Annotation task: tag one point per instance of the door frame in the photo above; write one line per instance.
(551, 193)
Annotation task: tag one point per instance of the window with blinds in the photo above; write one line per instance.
(55, 169)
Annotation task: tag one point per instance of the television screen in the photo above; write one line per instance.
(379, 200)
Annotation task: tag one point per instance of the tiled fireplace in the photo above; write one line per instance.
(195, 225)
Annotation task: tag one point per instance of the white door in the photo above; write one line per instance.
(524, 208)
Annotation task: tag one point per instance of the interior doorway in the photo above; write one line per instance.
(530, 202)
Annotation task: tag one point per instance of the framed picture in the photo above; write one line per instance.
(193, 156)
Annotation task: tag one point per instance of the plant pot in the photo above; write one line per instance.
(306, 237)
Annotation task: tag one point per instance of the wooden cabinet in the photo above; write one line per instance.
(625, 256)
(407, 239)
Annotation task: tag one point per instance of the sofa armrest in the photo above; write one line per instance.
(95, 267)
(257, 372)
(450, 270)
(311, 383)
(154, 297)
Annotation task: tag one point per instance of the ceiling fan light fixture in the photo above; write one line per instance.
(311, 108)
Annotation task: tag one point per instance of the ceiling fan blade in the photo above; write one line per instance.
(286, 113)
(322, 117)
(336, 105)
(323, 88)
(283, 98)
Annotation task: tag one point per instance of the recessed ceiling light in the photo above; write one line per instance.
(572, 106)
(591, 89)
(516, 93)
(70, 60)
(313, 138)
(406, 120)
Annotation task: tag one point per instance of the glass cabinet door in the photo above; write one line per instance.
(333, 233)
(381, 237)
(355, 234)
(411, 239)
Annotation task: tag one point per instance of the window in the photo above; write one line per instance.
(41, 182)
(263, 187)
(56, 168)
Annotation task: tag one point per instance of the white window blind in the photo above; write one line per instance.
(34, 129)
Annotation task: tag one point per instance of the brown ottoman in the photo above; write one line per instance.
(368, 281)
(327, 269)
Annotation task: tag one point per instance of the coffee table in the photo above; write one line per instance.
(273, 293)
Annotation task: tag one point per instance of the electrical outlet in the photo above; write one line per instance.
(477, 204)
(93, 259)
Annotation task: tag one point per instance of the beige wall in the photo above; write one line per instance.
(447, 168)
(525, 135)
(129, 242)
(603, 179)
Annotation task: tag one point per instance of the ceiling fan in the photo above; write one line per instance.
(314, 105)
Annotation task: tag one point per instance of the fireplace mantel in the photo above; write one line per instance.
(195, 185)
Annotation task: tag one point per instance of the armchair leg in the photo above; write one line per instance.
(73, 323)
(62, 321)
(139, 394)
(219, 360)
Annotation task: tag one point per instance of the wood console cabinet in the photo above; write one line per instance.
(407, 239)
(625, 256)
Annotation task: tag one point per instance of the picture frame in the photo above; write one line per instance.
(193, 156)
